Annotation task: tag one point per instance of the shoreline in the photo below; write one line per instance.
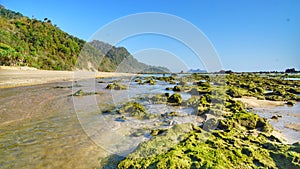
(254, 103)
(11, 77)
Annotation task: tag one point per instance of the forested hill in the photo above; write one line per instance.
(30, 42)
(125, 61)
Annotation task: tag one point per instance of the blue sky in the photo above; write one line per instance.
(248, 35)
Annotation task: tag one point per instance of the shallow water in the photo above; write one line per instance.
(298, 79)
(290, 115)
(118, 134)
(39, 129)
(44, 127)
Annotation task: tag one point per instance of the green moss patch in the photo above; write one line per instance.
(116, 86)
(135, 110)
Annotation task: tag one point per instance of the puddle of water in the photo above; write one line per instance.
(292, 79)
(118, 134)
(290, 115)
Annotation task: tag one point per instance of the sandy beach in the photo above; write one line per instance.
(252, 102)
(294, 126)
(26, 76)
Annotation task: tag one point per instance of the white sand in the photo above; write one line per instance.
(25, 76)
(252, 102)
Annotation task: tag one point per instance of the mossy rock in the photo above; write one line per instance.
(170, 114)
(274, 98)
(79, 93)
(156, 132)
(257, 90)
(201, 110)
(166, 78)
(172, 82)
(175, 98)
(233, 93)
(204, 91)
(290, 160)
(121, 119)
(295, 147)
(194, 91)
(150, 82)
(278, 92)
(247, 120)
(210, 124)
(160, 98)
(294, 90)
(200, 149)
(260, 97)
(203, 84)
(263, 125)
(177, 88)
(163, 141)
(139, 132)
(136, 110)
(182, 83)
(191, 102)
(240, 139)
(139, 81)
(290, 103)
(116, 86)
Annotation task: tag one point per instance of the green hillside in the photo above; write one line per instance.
(30, 42)
(124, 60)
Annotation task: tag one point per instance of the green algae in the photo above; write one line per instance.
(156, 132)
(256, 86)
(139, 81)
(169, 79)
(218, 149)
(116, 86)
(175, 98)
(240, 140)
(135, 110)
(160, 98)
(231, 138)
(80, 92)
(177, 88)
(150, 82)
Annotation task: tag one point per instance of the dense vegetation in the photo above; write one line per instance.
(122, 60)
(40, 44)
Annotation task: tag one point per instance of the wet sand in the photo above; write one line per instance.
(294, 126)
(252, 102)
(26, 76)
(38, 125)
(39, 129)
